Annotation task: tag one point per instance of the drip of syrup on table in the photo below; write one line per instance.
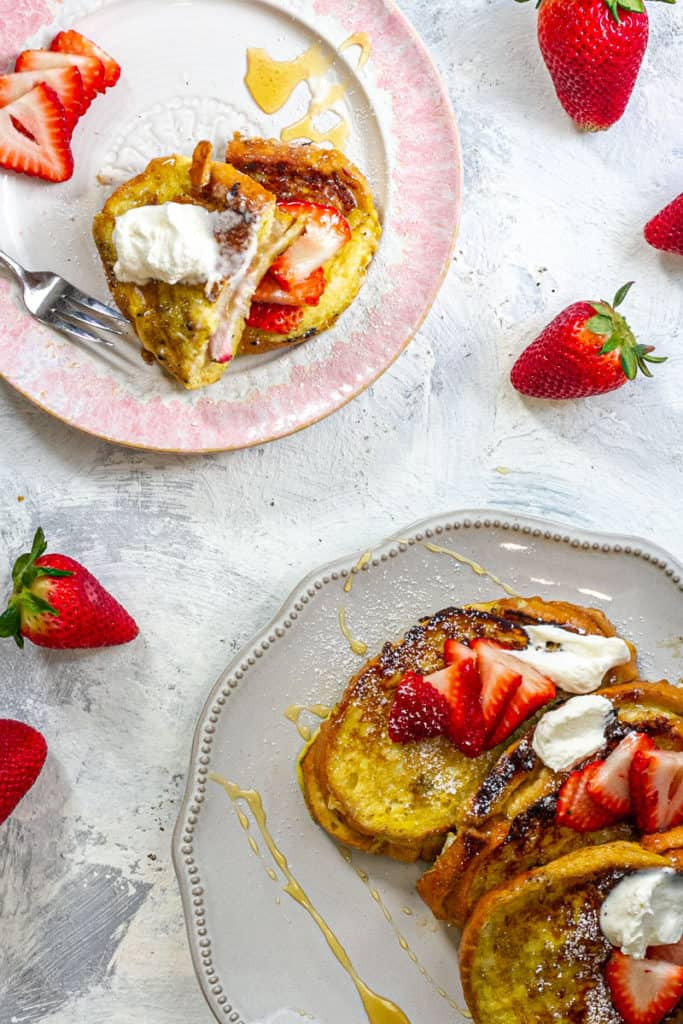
(378, 1009)
(272, 82)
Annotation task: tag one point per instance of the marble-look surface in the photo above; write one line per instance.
(203, 550)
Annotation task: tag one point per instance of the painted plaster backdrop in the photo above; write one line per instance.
(243, 529)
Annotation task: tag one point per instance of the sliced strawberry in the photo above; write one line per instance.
(73, 42)
(609, 786)
(66, 82)
(643, 991)
(307, 293)
(673, 954)
(326, 231)
(34, 138)
(91, 69)
(419, 712)
(269, 316)
(534, 691)
(656, 782)
(461, 686)
(499, 681)
(576, 808)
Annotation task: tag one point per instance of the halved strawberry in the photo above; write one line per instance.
(460, 684)
(73, 42)
(419, 712)
(66, 82)
(576, 808)
(643, 991)
(269, 316)
(326, 231)
(307, 293)
(534, 691)
(34, 138)
(673, 954)
(656, 783)
(609, 786)
(91, 69)
(499, 681)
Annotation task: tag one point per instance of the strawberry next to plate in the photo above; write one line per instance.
(482, 696)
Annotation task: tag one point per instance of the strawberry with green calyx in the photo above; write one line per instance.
(57, 603)
(593, 50)
(588, 349)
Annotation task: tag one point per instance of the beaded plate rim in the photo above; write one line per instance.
(187, 871)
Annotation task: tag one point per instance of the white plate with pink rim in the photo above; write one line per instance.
(267, 895)
(184, 64)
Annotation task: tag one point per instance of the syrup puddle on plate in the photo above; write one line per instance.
(378, 1009)
(271, 83)
(479, 570)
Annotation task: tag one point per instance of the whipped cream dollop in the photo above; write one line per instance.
(569, 734)
(644, 909)
(577, 662)
(171, 242)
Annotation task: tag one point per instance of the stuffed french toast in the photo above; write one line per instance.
(277, 239)
(421, 725)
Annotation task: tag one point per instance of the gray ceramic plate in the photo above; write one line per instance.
(257, 950)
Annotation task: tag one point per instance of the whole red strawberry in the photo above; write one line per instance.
(593, 50)
(587, 350)
(665, 231)
(22, 755)
(57, 603)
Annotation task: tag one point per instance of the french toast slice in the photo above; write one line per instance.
(193, 330)
(403, 799)
(327, 177)
(533, 949)
(509, 824)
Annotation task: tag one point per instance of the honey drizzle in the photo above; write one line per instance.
(474, 566)
(378, 1009)
(360, 564)
(272, 82)
(294, 711)
(357, 646)
(402, 941)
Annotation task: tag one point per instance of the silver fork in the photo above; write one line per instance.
(55, 302)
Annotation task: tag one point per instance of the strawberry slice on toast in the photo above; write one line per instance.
(34, 138)
(656, 783)
(91, 68)
(576, 808)
(460, 684)
(278, 319)
(306, 293)
(534, 691)
(609, 785)
(66, 82)
(326, 231)
(643, 991)
(74, 43)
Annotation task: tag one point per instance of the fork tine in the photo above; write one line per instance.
(94, 304)
(76, 333)
(98, 320)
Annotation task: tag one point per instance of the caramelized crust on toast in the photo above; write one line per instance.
(509, 824)
(533, 949)
(323, 176)
(378, 795)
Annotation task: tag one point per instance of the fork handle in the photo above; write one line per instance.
(14, 268)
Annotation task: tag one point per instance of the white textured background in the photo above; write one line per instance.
(203, 550)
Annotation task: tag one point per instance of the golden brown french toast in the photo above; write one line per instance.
(193, 330)
(533, 950)
(510, 826)
(327, 177)
(402, 799)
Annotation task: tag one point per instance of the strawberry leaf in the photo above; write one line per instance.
(36, 605)
(600, 325)
(629, 363)
(46, 570)
(632, 5)
(602, 308)
(25, 561)
(10, 621)
(610, 346)
(625, 288)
